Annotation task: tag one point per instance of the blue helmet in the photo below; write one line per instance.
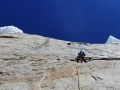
(81, 53)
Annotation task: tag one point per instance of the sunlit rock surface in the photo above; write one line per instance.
(32, 62)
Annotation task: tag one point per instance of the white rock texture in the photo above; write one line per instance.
(32, 62)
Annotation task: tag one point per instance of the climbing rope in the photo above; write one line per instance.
(74, 78)
(78, 76)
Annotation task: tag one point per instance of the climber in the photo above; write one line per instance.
(81, 56)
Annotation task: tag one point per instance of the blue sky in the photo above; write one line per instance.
(89, 21)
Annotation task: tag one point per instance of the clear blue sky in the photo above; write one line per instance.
(89, 21)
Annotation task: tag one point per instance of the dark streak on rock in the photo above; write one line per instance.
(7, 37)
(96, 78)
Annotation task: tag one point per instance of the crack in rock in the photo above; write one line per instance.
(96, 78)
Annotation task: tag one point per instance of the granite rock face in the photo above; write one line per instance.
(32, 62)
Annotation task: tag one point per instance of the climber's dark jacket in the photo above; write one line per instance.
(81, 56)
